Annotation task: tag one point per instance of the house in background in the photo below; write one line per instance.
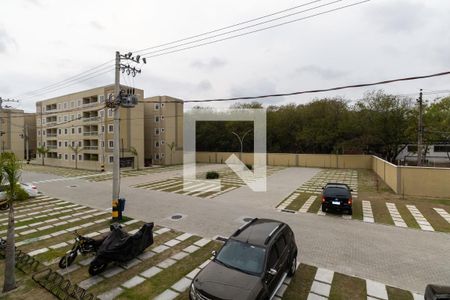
(436, 155)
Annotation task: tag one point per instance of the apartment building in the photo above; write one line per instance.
(15, 125)
(163, 129)
(77, 130)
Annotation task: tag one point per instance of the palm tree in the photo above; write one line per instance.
(77, 149)
(171, 147)
(135, 153)
(11, 172)
(43, 152)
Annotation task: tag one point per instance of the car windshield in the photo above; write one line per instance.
(336, 192)
(242, 256)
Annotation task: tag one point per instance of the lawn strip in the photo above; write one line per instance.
(436, 220)
(357, 209)
(380, 212)
(301, 283)
(346, 287)
(407, 216)
(146, 264)
(315, 206)
(165, 279)
(298, 202)
(398, 294)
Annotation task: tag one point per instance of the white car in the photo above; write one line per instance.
(31, 189)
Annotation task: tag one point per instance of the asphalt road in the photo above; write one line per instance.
(405, 258)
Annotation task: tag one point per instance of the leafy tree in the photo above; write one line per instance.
(437, 123)
(11, 169)
(77, 149)
(135, 154)
(43, 152)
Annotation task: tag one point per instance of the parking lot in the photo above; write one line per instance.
(364, 252)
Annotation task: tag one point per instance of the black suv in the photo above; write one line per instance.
(252, 264)
(337, 196)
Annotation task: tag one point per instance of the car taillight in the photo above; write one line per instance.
(350, 201)
(33, 187)
(323, 199)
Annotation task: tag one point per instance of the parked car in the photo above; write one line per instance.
(437, 292)
(338, 197)
(28, 187)
(252, 264)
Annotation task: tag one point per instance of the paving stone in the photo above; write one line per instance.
(45, 227)
(312, 296)
(58, 233)
(184, 236)
(131, 263)
(166, 263)
(146, 255)
(38, 251)
(111, 294)
(43, 237)
(17, 228)
(60, 223)
(182, 285)
(167, 295)
(324, 275)
(179, 255)
(85, 284)
(172, 243)
(112, 271)
(191, 249)
(160, 249)
(204, 264)
(104, 230)
(133, 231)
(60, 245)
(321, 288)
(376, 289)
(202, 242)
(28, 231)
(162, 230)
(133, 282)
(65, 217)
(193, 273)
(73, 228)
(87, 224)
(151, 272)
(50, 220)
(68, 269)
(86, 261)
(131, 222)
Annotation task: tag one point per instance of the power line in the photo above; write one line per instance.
(321, 90)
(258, 30)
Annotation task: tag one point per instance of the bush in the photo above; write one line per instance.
(19, 194)
(249, 166)
(212, 175)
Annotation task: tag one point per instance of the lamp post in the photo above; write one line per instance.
(241, 140)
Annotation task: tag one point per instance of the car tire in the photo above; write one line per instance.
(4, 206)
(95, 269)
(324, 209)
(350, 211)
(293, 266)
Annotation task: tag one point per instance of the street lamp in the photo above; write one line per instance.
(241, 140)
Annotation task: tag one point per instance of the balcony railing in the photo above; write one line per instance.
(90, 147)
(52, 146)
(51, 134)
(91, 119)
(91, 133)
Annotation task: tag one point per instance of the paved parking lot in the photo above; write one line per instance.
(397, 256)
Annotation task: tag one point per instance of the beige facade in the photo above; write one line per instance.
(13, 131)
(77, 129)
(163, 130)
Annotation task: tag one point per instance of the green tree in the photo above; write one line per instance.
(43, 152)
(135, 154)
(77, 149)
(11, 169)
(437, 123)
(171, 147)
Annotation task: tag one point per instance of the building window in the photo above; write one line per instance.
(156, 119)
(73, 143)
(156, 144)
(110, 112)
(162, 155)
(59, 144)
(79, 144)
(162, 118)
(79, 116)
(71, 117)
(59, 119)
(59, 156)
(157, 156)
(43, 121)
(162, 142)
(65, 105)
(73, 156)
(80, 157)
(39, 132)
(72, 104)
(59, 131)
(156, 106)
(102, 144)
(162, 105)
(110, 144)
(412, 148)
(157, 131)
(73, 130)
(442, 148)
(103, 128)
(65, 118)
(65, 130)
(102, 113)
(65, 144)
(110, 128)
(111, 159)
(66, 157)
(59, 106)
(79, 130)
(162, 130)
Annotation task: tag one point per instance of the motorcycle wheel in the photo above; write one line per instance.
(95, 269)
(4, 206)
(67, 260)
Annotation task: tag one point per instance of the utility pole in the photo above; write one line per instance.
(420, 131)
(26, 141)
(120, 99)
(1, 120)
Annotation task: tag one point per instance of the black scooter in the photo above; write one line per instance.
(121, 247)
(83, 245)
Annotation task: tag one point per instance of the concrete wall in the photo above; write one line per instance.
(416, 181)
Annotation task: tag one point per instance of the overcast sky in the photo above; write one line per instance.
(43, 42)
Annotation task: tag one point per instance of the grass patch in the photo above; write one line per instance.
(299, 201)
(398, 294)
(315, 206)
(357, 209)
(347, 288)
(407, 216)
(300, 283)
(438, 222)
(381, 212)
(163, 280)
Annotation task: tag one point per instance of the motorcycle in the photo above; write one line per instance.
(83, 245)
(4, 205)
(121, 247)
